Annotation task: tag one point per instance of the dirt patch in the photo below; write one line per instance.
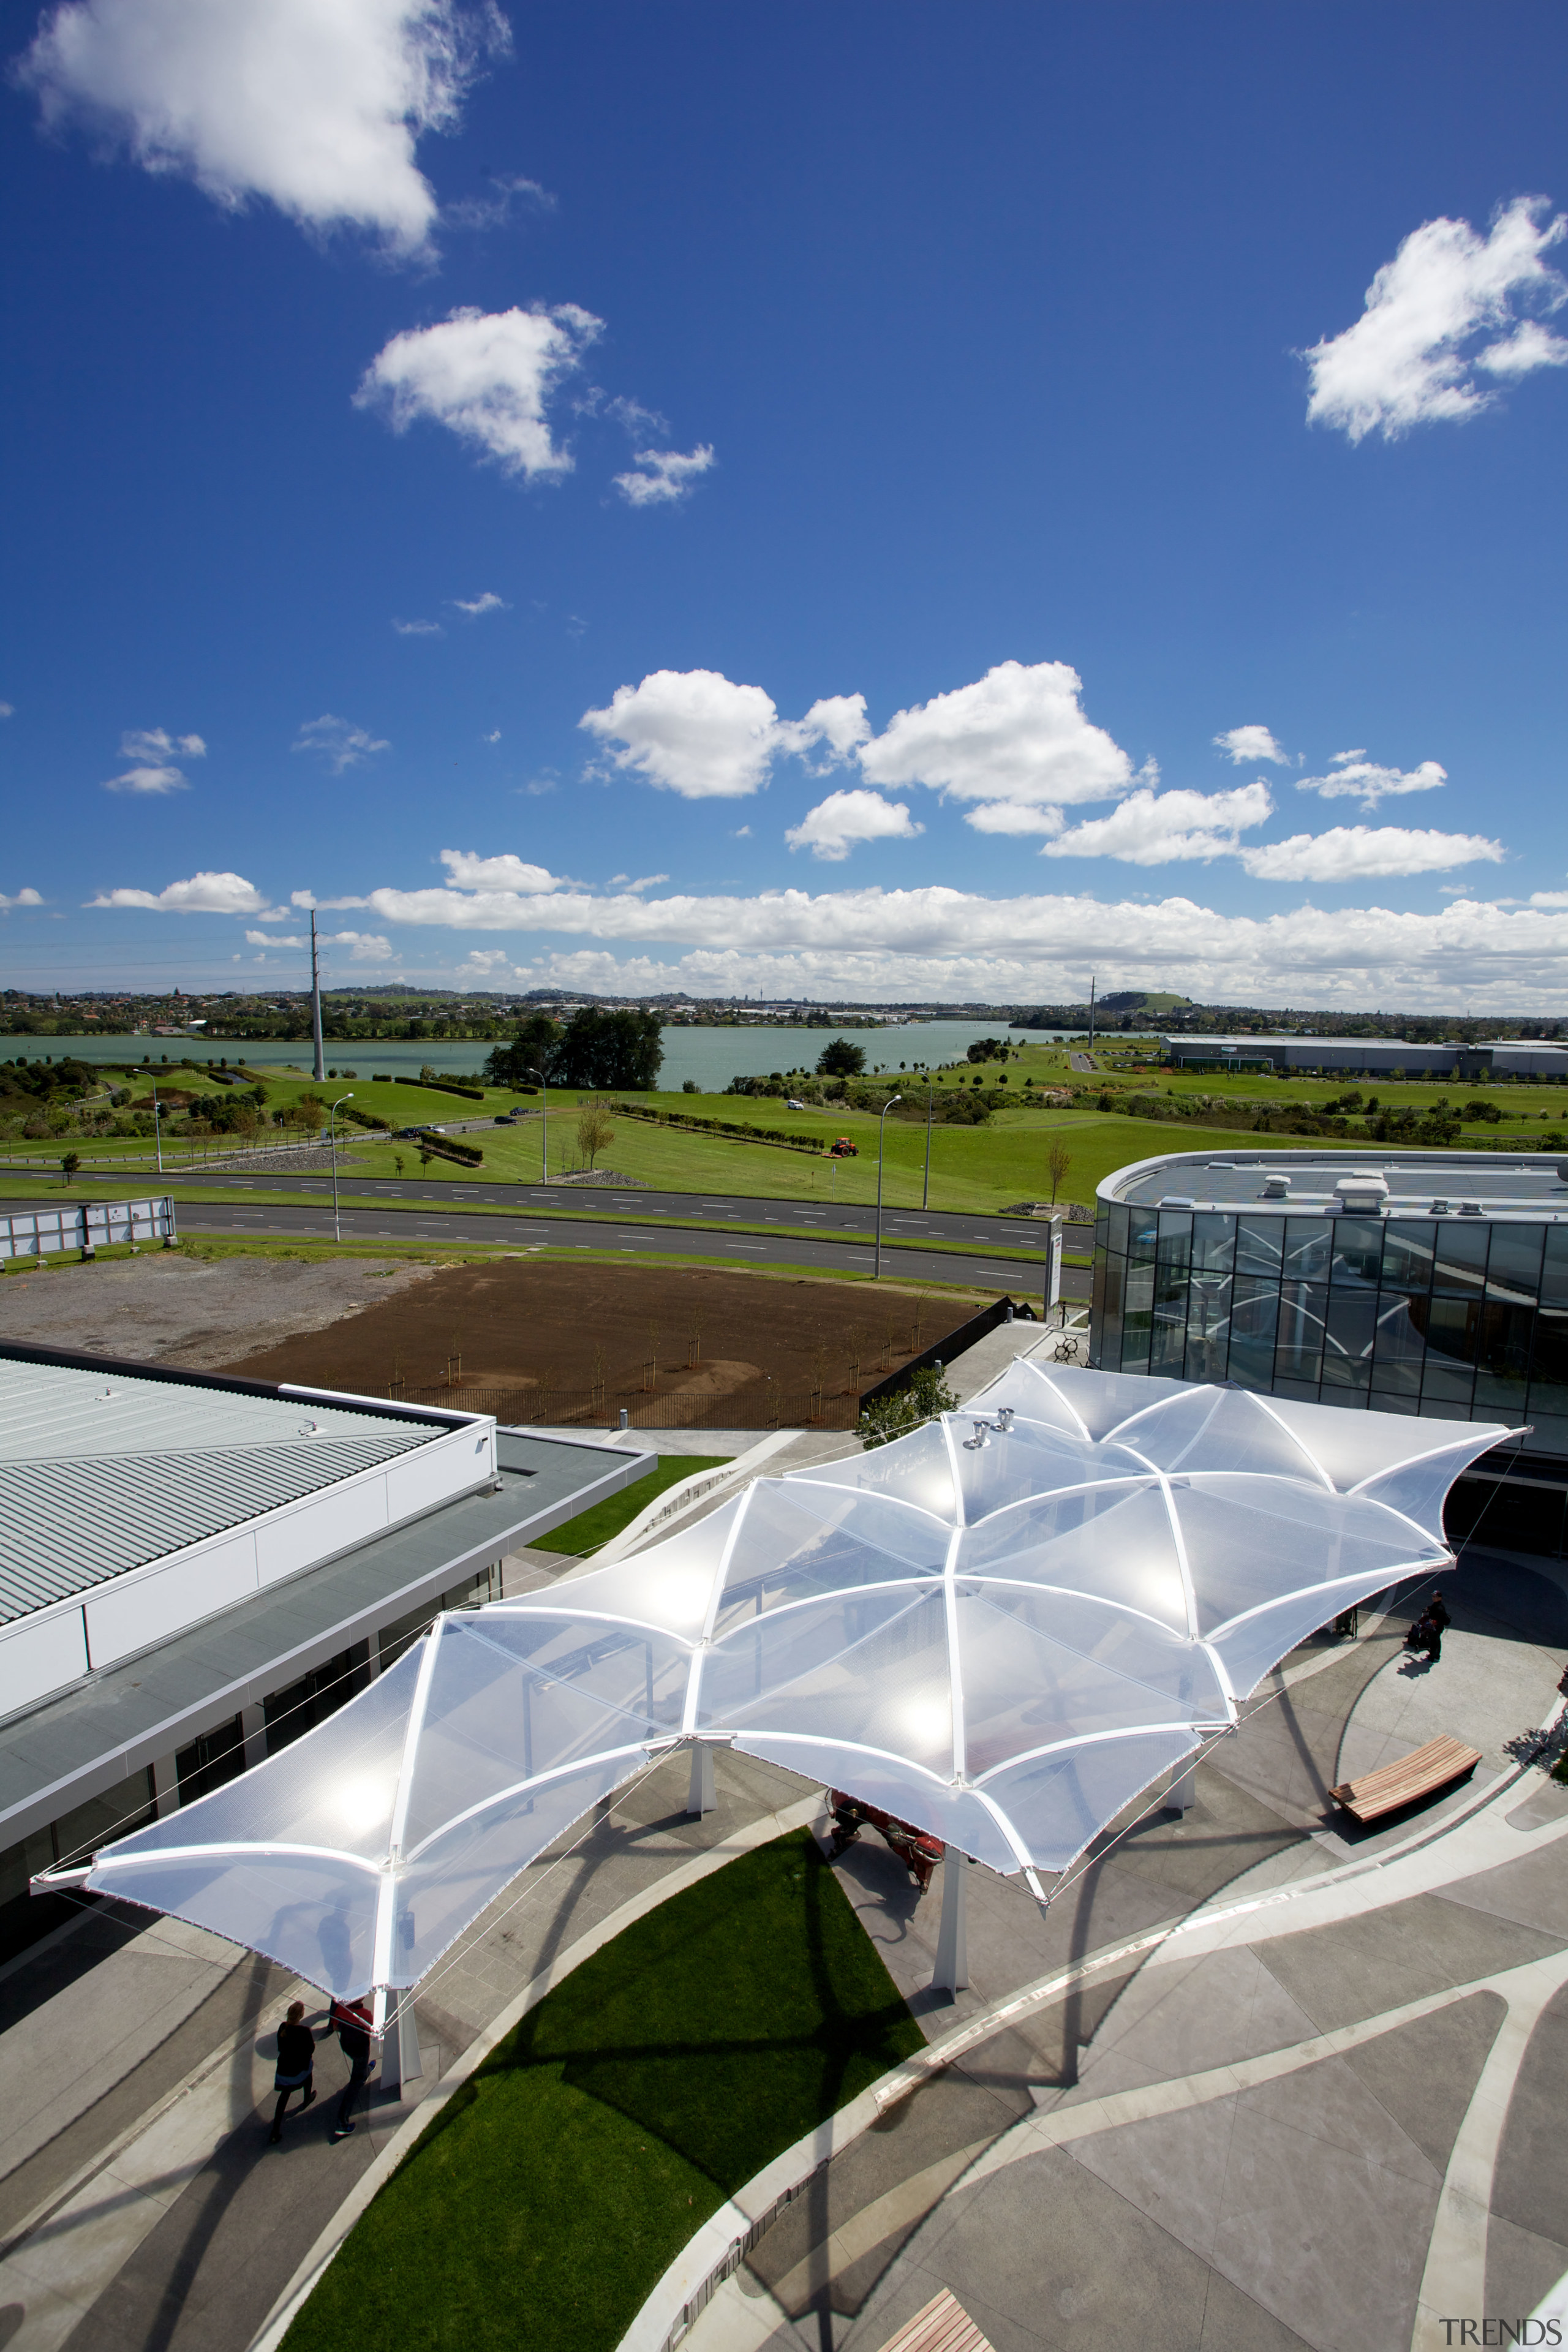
(170, 1309)
(522, 1326)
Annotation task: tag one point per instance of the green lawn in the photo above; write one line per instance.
(591, 1528)
(560, 2182)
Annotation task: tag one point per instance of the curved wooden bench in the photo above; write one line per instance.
(941, 2326)
(1420, 1774)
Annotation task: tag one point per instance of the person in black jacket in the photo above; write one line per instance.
(296, 2066)
(1435, 1622)
(350, 2020)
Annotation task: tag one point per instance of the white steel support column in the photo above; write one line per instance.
(701, 1797)
(165, 1787)
(952, 1971)
(253, 1731)
(400, 2059)
(1179, 1795)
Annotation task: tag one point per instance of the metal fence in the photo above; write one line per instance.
(85, 1225)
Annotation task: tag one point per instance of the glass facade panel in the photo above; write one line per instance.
(1259, 1245)
(1400, 1343)
(1168, 1331)
(1347, 1346)
(1254, 1319)
(1442, 1314)
(1116, 1231)
(1459, 1258)
(1407, 1253)
(1307, 1243)
(1358, 1253)
(1213, 1244)
(1208, 1326)
(1304, 1311)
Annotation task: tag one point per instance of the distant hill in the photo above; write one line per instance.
(1141, 1000)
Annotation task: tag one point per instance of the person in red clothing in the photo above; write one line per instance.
(350, 2020)
(296, 2066)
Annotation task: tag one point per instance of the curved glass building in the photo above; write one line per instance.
(1437, 1283)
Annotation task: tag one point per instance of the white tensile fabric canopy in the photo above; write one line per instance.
(1001, 1628)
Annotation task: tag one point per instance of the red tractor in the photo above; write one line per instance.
(918, 1851)
(842, 1148)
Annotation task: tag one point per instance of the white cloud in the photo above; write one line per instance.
(1154, 828)
(1353, 852)
(364, 947)
(203, 894)
(493, 737)
(343, 745)
(840, 722)
(692, 732)
(1548, 898)
(156, 743)
(152, 750)
(466, 871)
(315, 106)
(22, 899)
(1016, 739)
(667, 476)
(1410, 357)
(1245, 745)
(147, 780)
(512, 193)
(1355, 777)
(8, 710)
(419, 628)
(834, 826)
(488, 376)
(488, 602)
(891, 944)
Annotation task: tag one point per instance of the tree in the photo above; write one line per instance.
(595, 1131)
(1058, 1160)
(518, 1062)
(923, 1395)
(68, 1166)
(987, 1049)
(841, 1058)
(619, 1052)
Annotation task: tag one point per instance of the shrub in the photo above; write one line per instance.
(921, 1397)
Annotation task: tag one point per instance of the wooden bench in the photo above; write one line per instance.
(943, 2326)
(1417, 1775)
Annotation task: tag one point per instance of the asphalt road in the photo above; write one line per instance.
(600, 1203)
(444, 1224)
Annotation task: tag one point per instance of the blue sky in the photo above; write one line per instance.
(463, 469)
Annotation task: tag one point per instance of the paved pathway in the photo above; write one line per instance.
(1325, 2111)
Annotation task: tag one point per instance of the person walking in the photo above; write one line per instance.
(350, 2020)
(296, 2066)
(1435, 1620)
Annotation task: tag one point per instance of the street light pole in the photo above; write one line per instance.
(931, 1094)
(332, 1155)
(157, 1126)
(543, 1126)
(881, 1138)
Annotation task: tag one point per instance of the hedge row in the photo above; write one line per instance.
(730, 1126)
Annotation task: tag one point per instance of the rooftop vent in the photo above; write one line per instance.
(1276, 1188)
(1469, 1208)
(1363, 1193)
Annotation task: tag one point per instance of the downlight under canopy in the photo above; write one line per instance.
(1002, 1627)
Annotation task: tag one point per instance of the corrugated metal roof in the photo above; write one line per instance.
(99, 1474)
(52, 1413)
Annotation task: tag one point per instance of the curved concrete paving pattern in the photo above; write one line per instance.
(1325, 2110)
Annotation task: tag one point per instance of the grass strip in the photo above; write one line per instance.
(593, 1528)
(551, 2194)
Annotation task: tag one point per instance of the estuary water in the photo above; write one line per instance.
(709, 1057)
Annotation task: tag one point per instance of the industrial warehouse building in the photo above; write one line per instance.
(1372, 1057)
(196, 1569)
(1435, 1286)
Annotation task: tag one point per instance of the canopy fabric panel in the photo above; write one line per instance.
(1002, 1628)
